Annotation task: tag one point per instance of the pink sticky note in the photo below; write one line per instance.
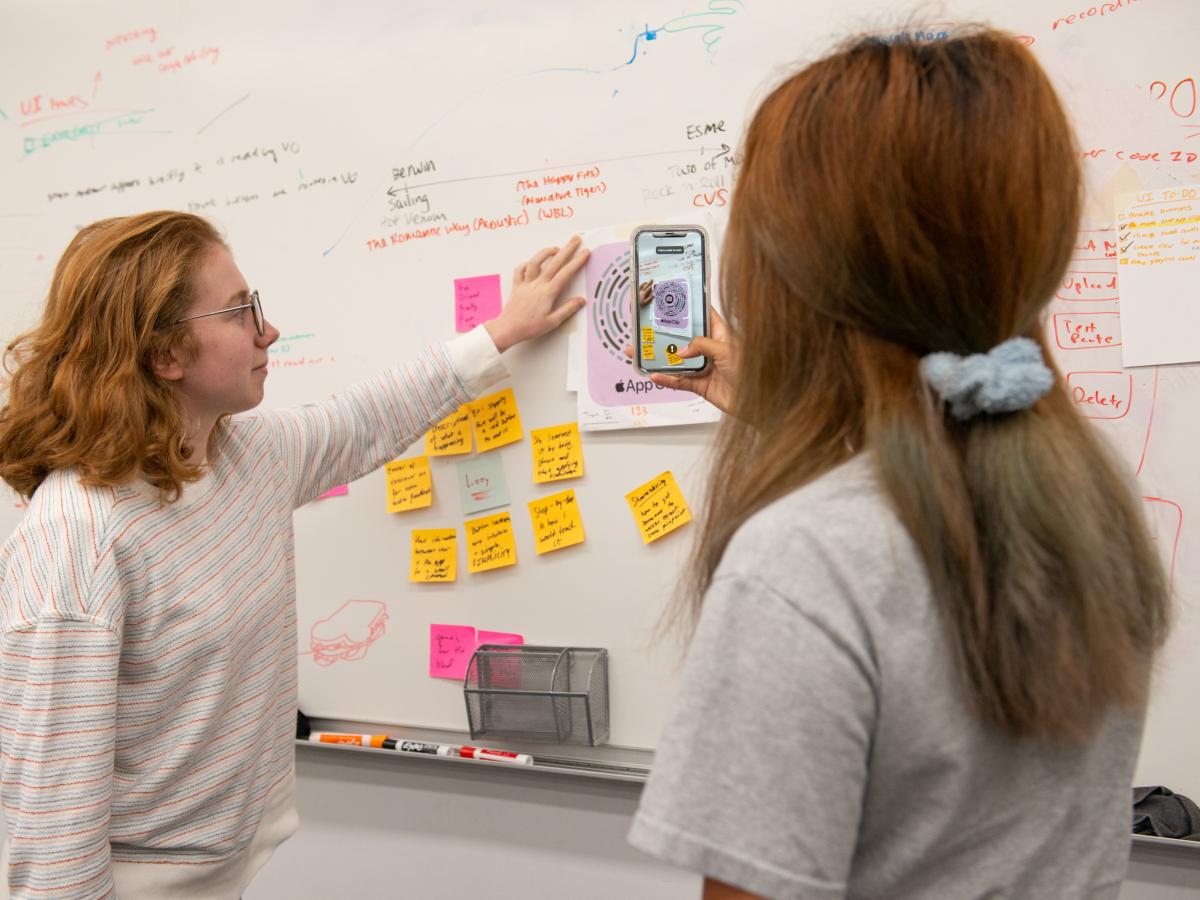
(338, 491)
(505, 673)
(450, 649)
(476, 300)
(497, 637)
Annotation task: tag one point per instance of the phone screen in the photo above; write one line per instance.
(670, 296)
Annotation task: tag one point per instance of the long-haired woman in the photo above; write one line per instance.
(925, 603)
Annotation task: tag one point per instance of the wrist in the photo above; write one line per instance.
(499, 333)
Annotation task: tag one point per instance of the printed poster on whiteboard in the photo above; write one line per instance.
(610, 392)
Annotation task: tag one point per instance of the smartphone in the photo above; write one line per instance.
(670, 296)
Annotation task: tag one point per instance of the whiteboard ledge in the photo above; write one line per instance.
(604, 763)
(1150, 840)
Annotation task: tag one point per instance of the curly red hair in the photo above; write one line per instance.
(83, 392)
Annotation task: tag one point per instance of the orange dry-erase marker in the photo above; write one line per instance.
(359, 740)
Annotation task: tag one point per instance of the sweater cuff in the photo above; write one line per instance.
(476, 360)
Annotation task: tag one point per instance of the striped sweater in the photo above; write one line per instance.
(148, 650)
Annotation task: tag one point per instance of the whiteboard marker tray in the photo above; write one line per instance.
(607, 763)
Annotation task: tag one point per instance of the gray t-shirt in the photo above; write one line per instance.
(822, 744)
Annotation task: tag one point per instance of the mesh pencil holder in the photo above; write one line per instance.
(532, 693)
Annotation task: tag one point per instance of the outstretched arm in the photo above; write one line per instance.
(325, 444)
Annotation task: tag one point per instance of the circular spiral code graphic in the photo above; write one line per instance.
(671, 299)
(610, 308)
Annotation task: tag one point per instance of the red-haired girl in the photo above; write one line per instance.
(147, 599)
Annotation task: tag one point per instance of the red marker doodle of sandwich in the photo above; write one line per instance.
(348, 633)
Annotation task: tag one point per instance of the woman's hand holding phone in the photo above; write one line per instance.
(716, 384)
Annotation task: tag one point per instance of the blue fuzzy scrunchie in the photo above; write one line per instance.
(1011, 377)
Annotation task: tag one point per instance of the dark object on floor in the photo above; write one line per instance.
(1160, 812)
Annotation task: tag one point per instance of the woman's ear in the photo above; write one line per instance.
(167, 365)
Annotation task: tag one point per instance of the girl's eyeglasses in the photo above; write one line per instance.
(253, 305)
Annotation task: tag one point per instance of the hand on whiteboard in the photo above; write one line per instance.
(716, 384)
(531, 310)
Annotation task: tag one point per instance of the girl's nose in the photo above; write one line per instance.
(270, 333)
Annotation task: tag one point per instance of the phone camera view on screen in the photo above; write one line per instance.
(671, 297)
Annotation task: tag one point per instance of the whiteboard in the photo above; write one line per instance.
(336, 148)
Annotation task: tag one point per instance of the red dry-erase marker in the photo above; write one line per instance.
(523, 759)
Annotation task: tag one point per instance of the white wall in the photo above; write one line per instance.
(385, 827)
(396, 827)
(1162, 875)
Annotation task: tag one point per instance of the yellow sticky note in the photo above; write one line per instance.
(490, 543)
(434, 555)
(452, 435)
(556, 522)
(647, 335)
(658, 507)
(647, 351)
(673, 359)
(409, 484)
(557, 452)
(496, 419)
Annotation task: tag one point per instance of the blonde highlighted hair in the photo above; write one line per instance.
(83, 392)
(894, 200)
